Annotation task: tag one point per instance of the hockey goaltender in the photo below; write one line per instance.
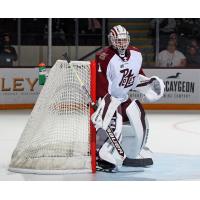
(119, 71)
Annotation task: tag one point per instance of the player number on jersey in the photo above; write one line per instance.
(127, 78)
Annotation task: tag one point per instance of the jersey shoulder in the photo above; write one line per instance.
(135, 52)
(132, 48)
(105, 55)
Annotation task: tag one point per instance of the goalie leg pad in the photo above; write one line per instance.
(102, 116)
(138, 124)
(106, 150)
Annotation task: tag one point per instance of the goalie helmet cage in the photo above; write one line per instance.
(59, 137)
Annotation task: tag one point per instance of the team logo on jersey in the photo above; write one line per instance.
(127, 78)
(103, 56)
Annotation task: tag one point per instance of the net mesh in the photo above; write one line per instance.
(57, 134)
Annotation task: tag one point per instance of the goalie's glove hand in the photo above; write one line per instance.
(156, 87)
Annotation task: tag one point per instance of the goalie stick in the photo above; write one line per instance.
(126, 161)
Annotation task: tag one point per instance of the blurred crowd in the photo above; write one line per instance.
(7, 52)
(34, 31)
(179, 39)
(178, 42)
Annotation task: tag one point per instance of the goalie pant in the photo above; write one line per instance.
(138, 128)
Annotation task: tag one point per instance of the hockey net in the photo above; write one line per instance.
(59, 137)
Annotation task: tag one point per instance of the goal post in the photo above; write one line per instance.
(92, 128)
(59, 136)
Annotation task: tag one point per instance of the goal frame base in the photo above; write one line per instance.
(49, 172)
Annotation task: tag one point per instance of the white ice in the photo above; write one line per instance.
(174, 138)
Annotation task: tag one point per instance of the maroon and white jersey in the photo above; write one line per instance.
(116, 75)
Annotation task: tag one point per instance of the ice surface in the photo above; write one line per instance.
(174, 138)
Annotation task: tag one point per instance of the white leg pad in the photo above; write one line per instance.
(138, 128)
(108, 152)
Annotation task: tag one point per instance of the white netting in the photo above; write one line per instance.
(57, 135)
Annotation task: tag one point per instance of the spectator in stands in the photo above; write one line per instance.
(173, 36)
(193, 56)
(195, 44)
(180, 41)
(69, 30)
(94, 25)
(58, 32)
(7, 53)
(90, 30)
(171, 57)
(166, 27)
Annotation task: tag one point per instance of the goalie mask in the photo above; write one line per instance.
(119, 38)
